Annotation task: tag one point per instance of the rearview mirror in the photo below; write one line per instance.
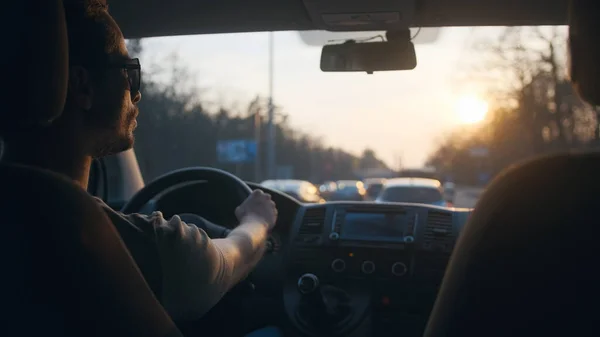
(368, 56)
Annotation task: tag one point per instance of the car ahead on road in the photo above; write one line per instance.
(373, 187)
(327, 189)
(424, 172)
(300, 190)
(413, 190)
(349, 190)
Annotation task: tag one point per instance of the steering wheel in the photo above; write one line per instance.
(170, 181)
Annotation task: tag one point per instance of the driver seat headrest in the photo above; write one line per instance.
(35, 64)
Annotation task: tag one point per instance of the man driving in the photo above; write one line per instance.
(98, 120)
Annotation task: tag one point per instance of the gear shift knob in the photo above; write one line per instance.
(322, 307)
(308, 283)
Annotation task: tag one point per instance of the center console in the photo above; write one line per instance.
(366, 269)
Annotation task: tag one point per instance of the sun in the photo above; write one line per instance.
(471, 109)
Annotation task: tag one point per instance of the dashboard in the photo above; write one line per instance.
(379, 264)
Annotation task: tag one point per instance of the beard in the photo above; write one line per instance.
(113, 145)
(116, 146)
(116, 137)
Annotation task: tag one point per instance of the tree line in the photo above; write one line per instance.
(533, 108)
(176, 129)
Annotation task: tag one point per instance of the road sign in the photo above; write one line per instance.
(236, 151)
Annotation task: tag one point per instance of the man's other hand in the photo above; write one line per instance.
(258, 207)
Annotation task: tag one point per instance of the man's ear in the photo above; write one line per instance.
(81, 90)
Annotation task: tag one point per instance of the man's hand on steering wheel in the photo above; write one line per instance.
(258, 207)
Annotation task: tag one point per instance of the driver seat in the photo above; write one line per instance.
(66, 271)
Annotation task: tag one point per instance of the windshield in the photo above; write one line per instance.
(479, 100)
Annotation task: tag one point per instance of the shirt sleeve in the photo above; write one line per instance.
(194, 269)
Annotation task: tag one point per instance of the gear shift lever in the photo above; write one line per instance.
(322, 307)
(308, 283)
(310, 288)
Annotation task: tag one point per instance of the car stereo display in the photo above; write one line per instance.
(373, 226)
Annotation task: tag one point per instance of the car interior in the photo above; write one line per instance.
(521, 264)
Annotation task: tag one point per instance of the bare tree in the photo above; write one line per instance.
(525, 70)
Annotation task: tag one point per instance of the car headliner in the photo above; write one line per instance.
(148, 18)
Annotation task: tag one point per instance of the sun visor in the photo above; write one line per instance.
(361, 15)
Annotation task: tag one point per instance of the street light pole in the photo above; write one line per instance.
(271, 123)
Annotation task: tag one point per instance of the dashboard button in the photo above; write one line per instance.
(368, 267)
(399, 269)
(338, 265)
(334, 236)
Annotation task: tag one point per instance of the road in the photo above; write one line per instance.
(467, 196)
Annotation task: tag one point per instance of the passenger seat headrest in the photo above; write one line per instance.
(35, 64)
(584, 49)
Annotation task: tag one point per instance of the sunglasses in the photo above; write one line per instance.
(134, 74)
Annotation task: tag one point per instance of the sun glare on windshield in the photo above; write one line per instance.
(471, 109)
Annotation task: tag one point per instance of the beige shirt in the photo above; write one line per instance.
(192, 268)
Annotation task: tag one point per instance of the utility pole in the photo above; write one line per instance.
(271, 162)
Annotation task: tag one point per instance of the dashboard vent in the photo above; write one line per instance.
(439, 234)
(313, 221)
